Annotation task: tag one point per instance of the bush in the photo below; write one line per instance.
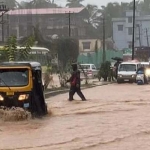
(104, 71)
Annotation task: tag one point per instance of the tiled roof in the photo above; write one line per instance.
(45, 11)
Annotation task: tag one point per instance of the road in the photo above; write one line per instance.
(115, 117)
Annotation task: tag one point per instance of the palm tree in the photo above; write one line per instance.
(74, 3)
(11, 4)
(42, 4)
(112, 10)
(93, 18)
(145, 6)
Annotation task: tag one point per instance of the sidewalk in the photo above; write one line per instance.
(57, 92)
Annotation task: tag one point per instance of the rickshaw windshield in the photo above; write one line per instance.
(14, 77)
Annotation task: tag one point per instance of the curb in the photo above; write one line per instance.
(58, 92)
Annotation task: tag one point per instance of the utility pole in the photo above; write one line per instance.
(69, 24)
(3, 9)
(147, 37)
(8, 25)
(139, 35)
(2, 27)
(104, 55)
(133, 30)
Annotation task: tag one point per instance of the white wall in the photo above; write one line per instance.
(119, 36)
(122, 38)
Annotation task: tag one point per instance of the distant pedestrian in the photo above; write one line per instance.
(116, 65)
(75, 82)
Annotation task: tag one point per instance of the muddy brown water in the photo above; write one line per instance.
(115, 117)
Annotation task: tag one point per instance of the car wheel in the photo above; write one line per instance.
(119, 82)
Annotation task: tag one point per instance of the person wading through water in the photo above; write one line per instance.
(75, 84)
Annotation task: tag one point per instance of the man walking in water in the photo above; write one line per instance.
(75, 83)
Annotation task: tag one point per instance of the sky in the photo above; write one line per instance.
(99, 3)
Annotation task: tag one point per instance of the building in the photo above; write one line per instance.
(50, 22)
(89, 45)
(123, 28)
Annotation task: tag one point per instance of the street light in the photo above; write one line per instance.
(133, 30)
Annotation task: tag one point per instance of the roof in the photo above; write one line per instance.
(118, 19)
(21, 63)
(145, 63)
(42, 49)
(130, 62)
(45, 11)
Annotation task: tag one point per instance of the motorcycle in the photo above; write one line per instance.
(140, 78)
(143, 77)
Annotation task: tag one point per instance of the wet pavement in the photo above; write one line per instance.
(115, 117)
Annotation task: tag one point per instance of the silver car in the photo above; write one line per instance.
(88, 69)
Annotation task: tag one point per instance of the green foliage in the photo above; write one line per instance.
(11, 48)
(11, 51)
(68, 49)
(25, 52)
(38, 4)
(11, 4)
(74, 3)
(104, 71)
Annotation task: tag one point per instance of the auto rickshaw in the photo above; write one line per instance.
(21, 86)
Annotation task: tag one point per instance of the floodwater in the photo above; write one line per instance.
(115, 117)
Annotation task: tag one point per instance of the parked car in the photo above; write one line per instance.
(89, 69)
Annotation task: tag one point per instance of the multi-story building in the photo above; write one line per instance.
(50, 21)
(123, 28)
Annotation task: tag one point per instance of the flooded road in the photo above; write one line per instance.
(115, 117)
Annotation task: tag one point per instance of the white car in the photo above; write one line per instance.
(88, 69)
(127, 72)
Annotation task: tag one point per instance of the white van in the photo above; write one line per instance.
(89, 69)
(127, 72)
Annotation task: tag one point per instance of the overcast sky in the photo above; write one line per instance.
(96, 2)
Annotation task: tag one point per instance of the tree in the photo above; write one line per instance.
(68, 50)
(25, 52)
(144, 6)
(74, 3)
(11, 48)
(18, 54)
(41, 4)
(112, 10)
(93, 17)
(11, 4)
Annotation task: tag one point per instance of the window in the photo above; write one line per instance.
(129, 19)
(130, 31)
(120, 27)
(86, 45)
(130, 45)
(93, 67)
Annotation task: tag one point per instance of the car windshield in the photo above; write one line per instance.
(14, 77)
(84, 67)
(127, 67)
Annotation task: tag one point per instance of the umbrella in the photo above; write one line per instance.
(117, 58)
